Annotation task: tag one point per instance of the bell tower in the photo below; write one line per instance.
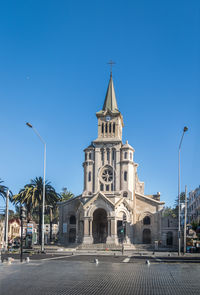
(110, 120)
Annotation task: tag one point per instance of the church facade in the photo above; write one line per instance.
(113, 207)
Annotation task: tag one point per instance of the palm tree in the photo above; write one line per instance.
(65, 195)
(31, 195)
(3, 189)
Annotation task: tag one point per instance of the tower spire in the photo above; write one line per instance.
(110, 102)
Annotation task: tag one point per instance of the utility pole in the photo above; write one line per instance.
(185, 221)
(6, 222)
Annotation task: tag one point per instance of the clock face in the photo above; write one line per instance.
(108, 118)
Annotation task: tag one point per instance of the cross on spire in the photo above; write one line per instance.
(111, 63)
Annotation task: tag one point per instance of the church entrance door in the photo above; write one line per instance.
(99, 226)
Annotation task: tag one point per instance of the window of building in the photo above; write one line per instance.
(113, 154)
(101, 187)
(130, 156)
(107, 187)
(125, 155)
(102, 128)
(89, 176)
(125, 175)
(106, 127)
(90, 156)
(113, 127)
(85, 156)
(108, 155)
(146, 220)
(125, 194)
(72, 219)
(102, 155)
(110, 128)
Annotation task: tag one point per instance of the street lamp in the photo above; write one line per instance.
(43, 197)
(179, 202)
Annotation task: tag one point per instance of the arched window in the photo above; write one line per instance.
(147, 220)
(125, 175)
(113, 127)
(102, 155)
(146, 237)
(125, 194)
(101, 187)
(102, 128)
(169, 240)
(72, 219)
(108, 155)
(106, 127)
(125, 155)
(113, 154)
(89, 176)
(110, 128)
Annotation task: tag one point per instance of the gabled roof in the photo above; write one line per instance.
(95, 197)
(110, 102)
(148, 198)
(126, 204)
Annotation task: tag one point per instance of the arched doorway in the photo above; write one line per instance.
(99, 226)
(169, 241)
(146, 236)
(72, 235)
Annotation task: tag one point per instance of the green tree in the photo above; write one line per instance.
(3, 191)
(31, 196)
(168, 211)
(194, 225)
(182, 200)
(65, 195)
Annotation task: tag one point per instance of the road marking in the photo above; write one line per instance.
(126, 260)
(59, 257)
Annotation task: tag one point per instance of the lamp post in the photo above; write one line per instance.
(43, 197)
(22, 217)
(6, 221)
(179, 202)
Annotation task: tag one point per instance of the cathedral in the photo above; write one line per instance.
(112, 208)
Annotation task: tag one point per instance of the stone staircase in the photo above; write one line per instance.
(105, 247)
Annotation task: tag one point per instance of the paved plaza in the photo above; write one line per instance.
(80, 275)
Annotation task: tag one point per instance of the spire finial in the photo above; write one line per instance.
(111, 63)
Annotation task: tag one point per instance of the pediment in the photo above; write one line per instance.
(98, 196)
(125, 203)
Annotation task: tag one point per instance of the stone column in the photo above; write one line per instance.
(77, 221)
(86, 237)
(109, 238)
(113, 231)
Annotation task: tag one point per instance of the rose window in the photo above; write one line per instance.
(107, 174)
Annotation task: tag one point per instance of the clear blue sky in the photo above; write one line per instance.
(53, 73)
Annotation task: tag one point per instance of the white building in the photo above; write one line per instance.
(113, 205)
(194, 205)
